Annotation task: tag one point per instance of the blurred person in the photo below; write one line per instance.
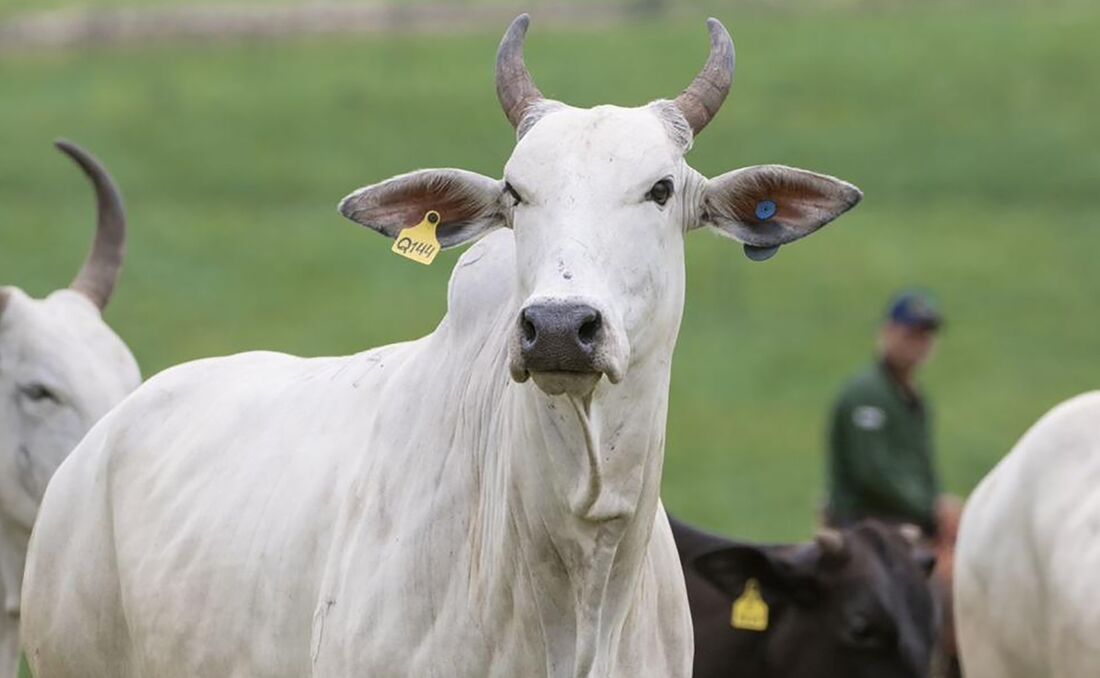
(881, 460)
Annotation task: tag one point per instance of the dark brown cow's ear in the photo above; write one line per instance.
(919, 550)
(469, 204)
(729, 568)
(767, 206)
(925, 558)
(784, 571)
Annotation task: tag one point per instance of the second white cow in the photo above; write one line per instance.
(1027, 564)
(61, 369)
(480, 502)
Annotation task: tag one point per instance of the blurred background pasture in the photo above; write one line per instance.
(971, 127)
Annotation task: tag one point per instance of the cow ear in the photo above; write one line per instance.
(919, 550)
(784, 572)
(469, 204)
(771, 205)
(926, 559)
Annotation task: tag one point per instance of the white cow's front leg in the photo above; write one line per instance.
(9, 645)
(13, 556)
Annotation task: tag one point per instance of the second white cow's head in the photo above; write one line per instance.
(599, 200)
(61, 366)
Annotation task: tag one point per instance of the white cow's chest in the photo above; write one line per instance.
(393, 613)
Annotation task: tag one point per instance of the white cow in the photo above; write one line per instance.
(424, 509)
(1027, 564)
(61, 369)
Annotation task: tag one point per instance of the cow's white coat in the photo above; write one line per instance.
(406, 508)
(412, 510)
(1026, 569)
(61, 369)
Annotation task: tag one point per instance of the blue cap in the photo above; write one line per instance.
(915, 309)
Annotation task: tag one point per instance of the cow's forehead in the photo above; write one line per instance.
(882, 567)
(64, 328)
(600, 140)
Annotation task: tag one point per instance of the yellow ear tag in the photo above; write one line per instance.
(419, 242)
(750, 612)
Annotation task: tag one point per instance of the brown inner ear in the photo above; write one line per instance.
(791, 200)
(407, 206)
(405, 216)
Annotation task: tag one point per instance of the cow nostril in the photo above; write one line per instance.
(589, 329)
(529, 332)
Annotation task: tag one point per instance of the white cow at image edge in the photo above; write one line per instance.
(61, 369)
(1027, 564)
(479, 502)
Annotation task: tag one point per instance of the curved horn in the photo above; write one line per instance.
(910, 533)
(831, 543)
(515, 87)
(98, 276)
(701, 100)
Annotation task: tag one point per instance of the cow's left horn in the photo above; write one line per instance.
(515, 87)
(701, 100)
(910, 533)
(831, 543)
(98, 276)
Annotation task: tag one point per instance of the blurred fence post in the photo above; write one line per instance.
(648, 9)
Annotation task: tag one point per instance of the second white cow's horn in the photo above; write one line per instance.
(515, 87)
(700, 102)
(98, 275)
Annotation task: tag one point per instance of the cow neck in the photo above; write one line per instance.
(583, 478)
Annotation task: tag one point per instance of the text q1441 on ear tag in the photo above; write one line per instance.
(750, 612)
(419, 242)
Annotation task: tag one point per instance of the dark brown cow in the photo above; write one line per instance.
(853, 603)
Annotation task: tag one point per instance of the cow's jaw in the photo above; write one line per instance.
(575, 384)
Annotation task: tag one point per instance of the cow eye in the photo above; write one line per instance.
(863, 633)
(661, 192)
(509, 189)
(38, 393)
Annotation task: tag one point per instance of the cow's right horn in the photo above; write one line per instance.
(831, 542)
(515, 87)
(704, 96)
(98, 276)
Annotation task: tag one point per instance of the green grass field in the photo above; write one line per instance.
(972, 132)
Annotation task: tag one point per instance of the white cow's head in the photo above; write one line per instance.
(61, 366)
(599, 200)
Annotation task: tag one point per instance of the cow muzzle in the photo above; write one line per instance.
(565, 346)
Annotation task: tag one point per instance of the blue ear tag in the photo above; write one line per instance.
(766, 209)
(760, 253)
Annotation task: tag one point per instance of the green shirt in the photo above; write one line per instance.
(880, 453)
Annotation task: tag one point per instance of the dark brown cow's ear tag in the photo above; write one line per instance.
(760, 253)
(750, 612)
